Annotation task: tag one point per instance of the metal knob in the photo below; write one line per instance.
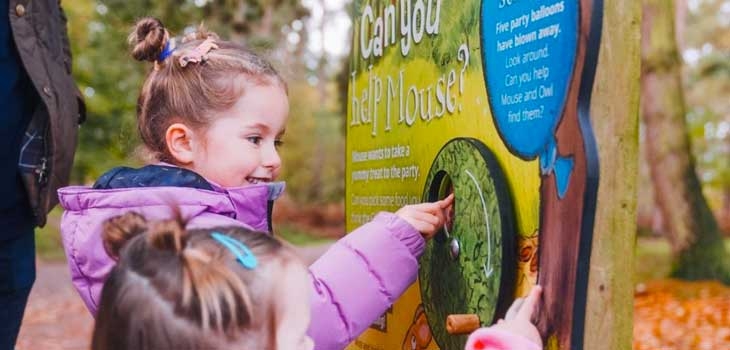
(454, 249)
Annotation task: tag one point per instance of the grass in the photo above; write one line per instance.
(297, 236)
(653, 258)
(48, 239)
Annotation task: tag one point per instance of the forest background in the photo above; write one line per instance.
(308, 41)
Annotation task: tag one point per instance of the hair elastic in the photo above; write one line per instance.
(167, 51)
(241, 251)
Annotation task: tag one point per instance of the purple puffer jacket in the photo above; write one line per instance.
(353, 283)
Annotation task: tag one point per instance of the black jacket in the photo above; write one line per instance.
(39, 30)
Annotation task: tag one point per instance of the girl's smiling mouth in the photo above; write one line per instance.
(256, 180)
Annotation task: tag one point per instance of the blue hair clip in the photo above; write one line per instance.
(167, 51)
(240, 250)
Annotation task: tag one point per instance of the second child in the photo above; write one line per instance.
(215, 288)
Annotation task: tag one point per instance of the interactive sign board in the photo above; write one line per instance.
(487, 100)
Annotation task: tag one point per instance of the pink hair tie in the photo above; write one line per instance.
(199, 53)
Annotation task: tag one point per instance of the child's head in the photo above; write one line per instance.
(210, 105)
(200, 289)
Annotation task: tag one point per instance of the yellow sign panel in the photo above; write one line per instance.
(467, 97)
(403, 110)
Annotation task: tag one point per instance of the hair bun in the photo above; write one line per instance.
(148, 39)
(121, 229)
(169, 234)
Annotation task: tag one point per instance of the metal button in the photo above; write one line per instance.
(47, 91)
(20, 10)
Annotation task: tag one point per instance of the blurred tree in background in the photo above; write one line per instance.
(110, 80)
(706, 45)
(703, 43)
(687, 219)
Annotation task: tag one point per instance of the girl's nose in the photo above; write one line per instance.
(270, 157)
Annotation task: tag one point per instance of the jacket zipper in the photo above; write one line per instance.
(42, 171)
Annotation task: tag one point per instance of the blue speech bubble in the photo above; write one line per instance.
(529, 49)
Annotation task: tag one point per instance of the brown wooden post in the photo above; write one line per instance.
(614, 111)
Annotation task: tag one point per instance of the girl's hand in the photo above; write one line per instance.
(518, 318)
(427, 218)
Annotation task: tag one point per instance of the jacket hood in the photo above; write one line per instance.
(160, 186)
(152, 191)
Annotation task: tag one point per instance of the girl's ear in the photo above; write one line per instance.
(179, 139)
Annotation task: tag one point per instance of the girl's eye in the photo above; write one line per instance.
(256, 140)
(278, 143)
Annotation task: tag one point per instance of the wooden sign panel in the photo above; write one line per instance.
(487, 100)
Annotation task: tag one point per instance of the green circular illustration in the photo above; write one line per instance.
(470, 266)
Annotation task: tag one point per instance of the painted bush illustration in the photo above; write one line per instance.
(469, 269)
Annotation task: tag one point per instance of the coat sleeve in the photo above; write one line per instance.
(359, 277)
(495, 339)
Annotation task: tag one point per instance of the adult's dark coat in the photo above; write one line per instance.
(46, 56)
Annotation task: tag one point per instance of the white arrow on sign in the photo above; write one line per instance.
(488, 269)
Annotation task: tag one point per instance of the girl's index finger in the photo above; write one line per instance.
(446, 202)
(433, 207)
(528, 307)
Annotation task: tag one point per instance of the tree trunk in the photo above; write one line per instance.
(725, 212)
(614, 111)
(690, 226)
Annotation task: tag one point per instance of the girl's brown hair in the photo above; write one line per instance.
(192, 93)
(178, 289)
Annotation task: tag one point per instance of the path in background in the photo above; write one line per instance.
(56, 318)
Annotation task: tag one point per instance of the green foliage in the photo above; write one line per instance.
(314, 147)
(110, 80)
(707, 86)
(654, 259)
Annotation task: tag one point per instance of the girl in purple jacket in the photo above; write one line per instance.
(213, 114)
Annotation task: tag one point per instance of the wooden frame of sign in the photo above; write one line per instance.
(496, 102)
(566, 224)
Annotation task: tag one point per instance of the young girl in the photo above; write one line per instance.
(218, 288)
(213, 114)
